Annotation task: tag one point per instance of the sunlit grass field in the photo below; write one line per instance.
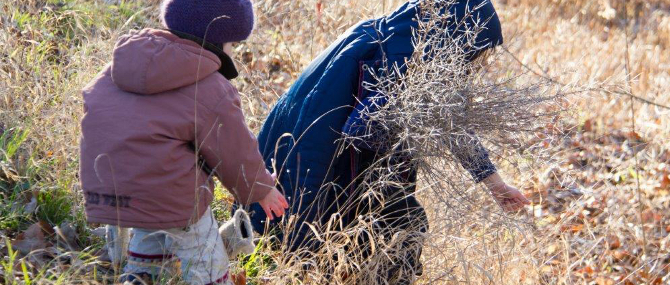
(601, 206)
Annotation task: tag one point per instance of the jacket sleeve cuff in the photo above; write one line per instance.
(480, 174)
(480, 166)
(260, 189)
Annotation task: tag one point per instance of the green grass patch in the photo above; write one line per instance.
(54, 206)
(257, 263)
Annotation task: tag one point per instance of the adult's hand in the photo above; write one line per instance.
(508, 197)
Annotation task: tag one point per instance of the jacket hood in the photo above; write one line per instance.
(397, 29)
(152, 61)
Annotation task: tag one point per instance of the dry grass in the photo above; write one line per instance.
(587, 224)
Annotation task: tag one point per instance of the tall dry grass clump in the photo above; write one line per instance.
(444, 110)
(450, 98)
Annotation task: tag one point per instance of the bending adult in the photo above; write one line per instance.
(301, 140)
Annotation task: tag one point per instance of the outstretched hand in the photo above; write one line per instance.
(508, 197)
(274, 202)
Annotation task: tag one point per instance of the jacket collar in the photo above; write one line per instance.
(227, 68)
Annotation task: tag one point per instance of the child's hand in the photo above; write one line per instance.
(274, 203)
(508, 197)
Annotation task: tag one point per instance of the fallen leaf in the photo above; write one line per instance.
(275, 65)
(613, 242)
(573, 228)
(66, 236)
(547, 269)
(620, 254)
(656, 280)
(633, 136)
(239, 278)
(31, 206)
(229, 199)
(588, 125)
(649, 216)
(604, 281)
(665, 180)
(247, 56)
(319, 5)
(32, 238)
(46, 228)
(586, 270)
(7, 172)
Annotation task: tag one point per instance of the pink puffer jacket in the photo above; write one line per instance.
(145, 113)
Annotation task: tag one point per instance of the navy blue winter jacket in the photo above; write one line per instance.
(304, 129)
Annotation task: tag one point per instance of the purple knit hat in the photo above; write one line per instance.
(231, 20)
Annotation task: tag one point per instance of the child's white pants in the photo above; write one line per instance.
(198, 247)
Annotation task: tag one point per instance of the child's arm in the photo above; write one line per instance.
(231, 150)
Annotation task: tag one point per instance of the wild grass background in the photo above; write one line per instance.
(587, 224)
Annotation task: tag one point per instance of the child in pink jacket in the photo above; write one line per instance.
(160, 121)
